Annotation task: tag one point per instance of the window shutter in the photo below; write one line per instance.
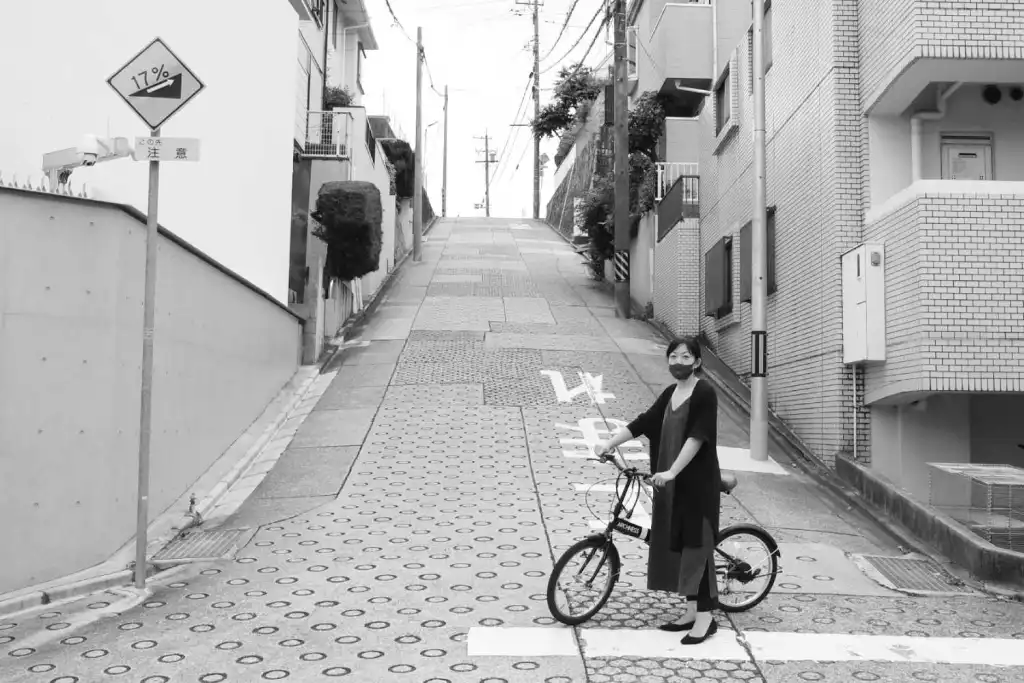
(609, 105)
(771, 250)
(746, 262)
(713, 279)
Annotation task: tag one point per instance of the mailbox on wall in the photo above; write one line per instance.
(863, 271)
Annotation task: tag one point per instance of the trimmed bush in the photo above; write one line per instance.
(402, 157)
(349, 215)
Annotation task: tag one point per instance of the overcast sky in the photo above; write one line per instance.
(481, 50)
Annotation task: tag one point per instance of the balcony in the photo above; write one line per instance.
(328, 135)
(682, 45)
(669, 172)
(951, 40)
(681, 201)
(954, 288)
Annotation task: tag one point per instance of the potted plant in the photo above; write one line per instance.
(334, 98)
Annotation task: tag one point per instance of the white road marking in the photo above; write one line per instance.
(521, 642)
(589, 384)
(726, 646)
(739, 460)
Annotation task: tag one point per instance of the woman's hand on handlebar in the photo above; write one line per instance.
(601, 449)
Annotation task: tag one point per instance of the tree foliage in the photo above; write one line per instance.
(646, 123)
(575, 89)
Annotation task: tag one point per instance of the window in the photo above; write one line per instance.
(360, 54)
(334, 25)
(631, 39)
(746, 263)
(768, 60)
(723, 101)
(718, 279)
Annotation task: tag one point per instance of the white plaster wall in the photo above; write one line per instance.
(71, 287)
(890, 165)
(234, 204)
(904, 438)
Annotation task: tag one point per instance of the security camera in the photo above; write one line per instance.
(89, 150)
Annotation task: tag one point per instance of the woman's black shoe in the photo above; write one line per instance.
(677, 628)
(690, 640)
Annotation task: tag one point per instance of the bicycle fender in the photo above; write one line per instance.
(774, 546)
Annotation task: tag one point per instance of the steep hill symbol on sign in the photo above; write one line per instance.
(169, 88)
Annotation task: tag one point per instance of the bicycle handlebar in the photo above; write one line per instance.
(629, 471)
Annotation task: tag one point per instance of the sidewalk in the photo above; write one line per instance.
(407, 531)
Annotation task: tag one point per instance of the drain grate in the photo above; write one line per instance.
(200, 545)
(915, 575)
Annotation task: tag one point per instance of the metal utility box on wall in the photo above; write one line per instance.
(864, 304)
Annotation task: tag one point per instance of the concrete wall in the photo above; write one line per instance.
(233, 204)
(71, 287)
(641, 262)
(954, 289)
(944, 428)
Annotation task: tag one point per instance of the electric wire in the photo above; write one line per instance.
(515, 134)
(562, 31)
(580, 39)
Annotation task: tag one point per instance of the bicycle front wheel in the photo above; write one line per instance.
(746, 564)
(582, 580)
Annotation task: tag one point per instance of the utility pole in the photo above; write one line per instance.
(536, 108)
(488, 160)
(417, 185)
(621, 146)
(444, 168)
(759, 258)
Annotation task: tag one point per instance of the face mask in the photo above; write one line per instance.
(680, 371)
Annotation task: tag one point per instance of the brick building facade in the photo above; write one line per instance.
(943, 195)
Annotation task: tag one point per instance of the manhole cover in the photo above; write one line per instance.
(200, 545)
(915, 575)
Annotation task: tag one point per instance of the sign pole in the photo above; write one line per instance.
(146, 404)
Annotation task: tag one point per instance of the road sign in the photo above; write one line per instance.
(155, 83)
(166, 149)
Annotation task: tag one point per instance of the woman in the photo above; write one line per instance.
(682, 427)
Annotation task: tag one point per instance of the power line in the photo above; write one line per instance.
(515, 133)
(562, 31)
(580, 39)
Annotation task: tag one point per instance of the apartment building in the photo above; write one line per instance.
(332, 141)
(895, 187)
(895, 220)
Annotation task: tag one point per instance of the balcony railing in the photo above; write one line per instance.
(328, 134)
(669, 171)
(681, 201)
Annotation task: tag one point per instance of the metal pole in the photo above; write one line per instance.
(487, 174)
(759, 258)
(621, 165)
(536, 109)
(444, 167)
(417, 200)
(146, 402)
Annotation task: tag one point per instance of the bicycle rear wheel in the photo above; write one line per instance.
(746, 564)
(584, 576)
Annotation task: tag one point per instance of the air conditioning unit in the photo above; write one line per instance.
(864, 304)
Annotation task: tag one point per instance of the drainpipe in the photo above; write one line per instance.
(327, 39)
(917, 129)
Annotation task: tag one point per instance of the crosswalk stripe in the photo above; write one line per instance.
(728, 646)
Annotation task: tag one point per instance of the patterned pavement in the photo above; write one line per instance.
(420, 507)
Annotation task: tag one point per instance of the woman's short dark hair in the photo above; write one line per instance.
(691, 344)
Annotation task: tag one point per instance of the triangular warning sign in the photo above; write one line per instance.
(169, 88)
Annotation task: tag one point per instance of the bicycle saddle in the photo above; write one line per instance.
(729, 482)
